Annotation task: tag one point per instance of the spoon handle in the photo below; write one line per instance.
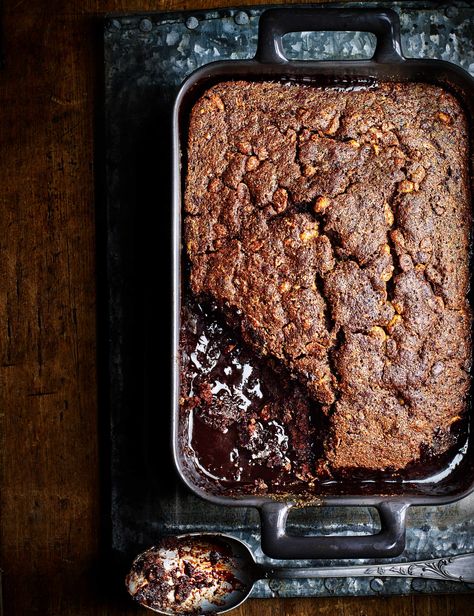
(455, 569)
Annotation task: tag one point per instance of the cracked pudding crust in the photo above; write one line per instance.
(331, 228)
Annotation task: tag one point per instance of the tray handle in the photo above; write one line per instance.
(390, 541)
(274, 23)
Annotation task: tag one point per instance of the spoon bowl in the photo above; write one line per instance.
(195, 573)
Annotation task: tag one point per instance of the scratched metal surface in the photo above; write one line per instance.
(146, 58)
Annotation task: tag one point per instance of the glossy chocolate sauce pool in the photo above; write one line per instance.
(251, 429)
(250, 426)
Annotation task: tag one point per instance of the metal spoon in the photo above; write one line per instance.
(231, 573)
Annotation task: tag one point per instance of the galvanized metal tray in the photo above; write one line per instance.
(146, 59)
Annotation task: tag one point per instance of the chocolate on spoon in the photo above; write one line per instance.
(192, 574)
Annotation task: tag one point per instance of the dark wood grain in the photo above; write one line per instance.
(50, 492)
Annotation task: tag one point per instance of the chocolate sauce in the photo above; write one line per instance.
(250, 425)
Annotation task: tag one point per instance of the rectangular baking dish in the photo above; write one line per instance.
(391, 497)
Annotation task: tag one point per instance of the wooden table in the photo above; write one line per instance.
(50, 498)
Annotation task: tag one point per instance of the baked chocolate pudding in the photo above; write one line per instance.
(327, 244)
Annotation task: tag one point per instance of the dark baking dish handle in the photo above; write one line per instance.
(390, 541)
(274, 23)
